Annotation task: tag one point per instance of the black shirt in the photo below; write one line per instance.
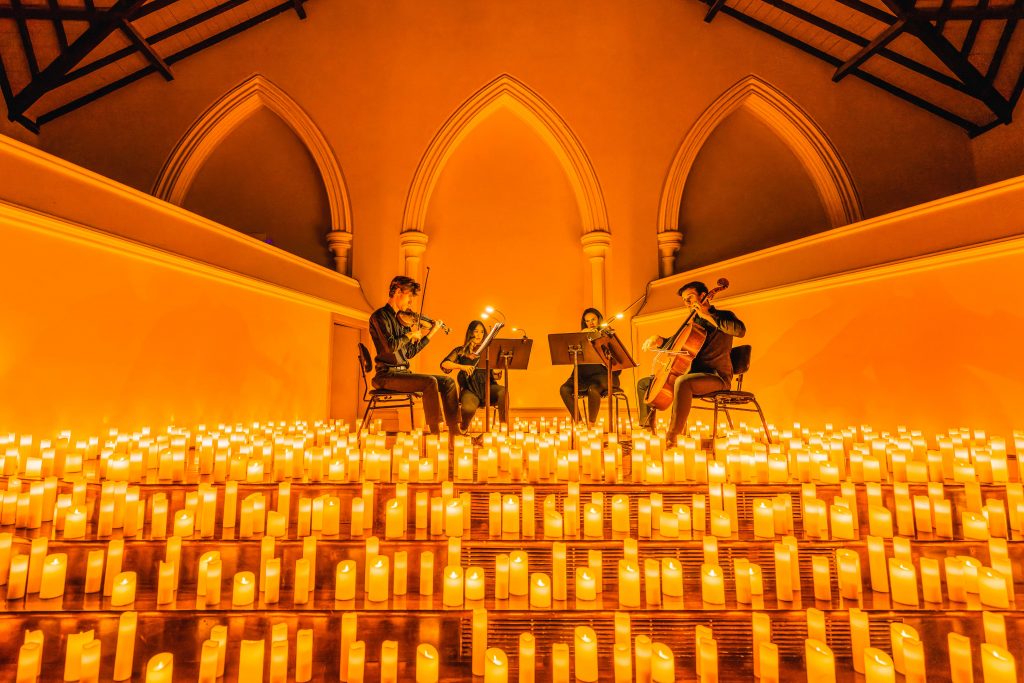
(713, 357)
(394, 349)
(474, 383)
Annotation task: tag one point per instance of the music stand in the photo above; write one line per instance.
(506, 354)
(573, 348)
(614, 357)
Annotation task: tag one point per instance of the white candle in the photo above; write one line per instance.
(453, 593)
(125, 649)
(712, 584)
(160, 668)
(55, 569)
(426, 663)
(585, 654)
(997, 664)
(244, 589)
(377, 580)
(820, 662)
(663, 663)
(540, 591)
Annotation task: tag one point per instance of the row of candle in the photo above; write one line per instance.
(649, 660)
(45, 574)
(537, 456)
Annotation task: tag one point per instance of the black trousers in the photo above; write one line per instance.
(591, 386)
(686, 387)
(439, 393)
(470, 402)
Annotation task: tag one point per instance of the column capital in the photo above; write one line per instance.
(596, 242)
(414, 242)
(669, 243)
(340, 244)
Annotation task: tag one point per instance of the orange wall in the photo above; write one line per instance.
(854, 330)
(104, 330)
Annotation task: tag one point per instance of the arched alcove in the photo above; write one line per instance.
(506, 92)
(504, 231)
(224, 116)
(792, 125)
(746, 191)
(261, 180)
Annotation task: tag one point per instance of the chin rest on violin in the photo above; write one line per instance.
(410, 318)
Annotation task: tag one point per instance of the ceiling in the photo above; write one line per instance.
(961, 60)
(59, 55)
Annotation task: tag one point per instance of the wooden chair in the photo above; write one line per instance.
(733, 399)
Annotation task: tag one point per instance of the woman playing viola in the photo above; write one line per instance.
(471, 379)
(593, 378)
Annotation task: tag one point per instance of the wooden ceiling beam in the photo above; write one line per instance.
(869, 10)
(8, 94)
(866, 52)
(946, 12)
(48, 12)
(145, 48)
(58, 26)
(972, 31)
(919, 102)
(716, 5)
(1003, 46)
(861, 41)
(157, 37)
(299, 9)
(53, 74)
(170, 60)
(26, 38)
(943, 16)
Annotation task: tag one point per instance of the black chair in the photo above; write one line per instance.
(381, 398)
(734, 399)
(618, 395)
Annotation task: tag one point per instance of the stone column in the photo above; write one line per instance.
(413, 245)
(595, 245)
(340, 244)
(669, 243)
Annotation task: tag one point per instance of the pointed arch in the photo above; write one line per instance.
(792, 125)
(229, 112)
(507, 92)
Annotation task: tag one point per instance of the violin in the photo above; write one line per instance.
(675, 359)
(410, 318)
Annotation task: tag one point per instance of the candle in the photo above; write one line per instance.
(820, 662)
(768, 653)
(165, 583)
(663, 663)
(961, 666)
(271, 583)
(394, 525)
(55, 569)
(426, 663)
(762, 633)
(671, 578)
(348, 636)
(115, 553)
(453, 523)
(479, 641)
(642, 654)
(822, 578)
(764, 518)
(623, 663)
(898, 633)
(250, 660)
(931, 582)
(160, 668)
(123, 592)
(36, 559)
(878, 667)
(304, 655)
(540, 591)
(510, 516)
(586, 586)
(519, 573)
(975, 526)
(75, 523)
(244, 589)
(585, 660)
(991, 588)
(560, 663)
(184, 523)
(712, 584)
(783, 572)
(995, 628)
(913, 661)
(629, 584)
(475, 584)
(377, 579)
(903, 583)
(997, 664)
(848, 571)
(426, 573)
(452, 595)
(501, 577)
(124, 655)
(345, 580)
(208, 661)
(29, 661)
(527, 657)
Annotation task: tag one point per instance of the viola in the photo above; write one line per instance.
(411, 318)
(676, 359)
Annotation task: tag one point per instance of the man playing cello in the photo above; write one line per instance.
(711, 368)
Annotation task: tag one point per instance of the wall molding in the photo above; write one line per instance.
(14, 217)
(505, 92)
(793, 126)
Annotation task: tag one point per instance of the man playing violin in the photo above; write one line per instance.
(396, 339)
(711, 369)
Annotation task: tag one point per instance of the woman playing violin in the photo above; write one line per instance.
(593, 378)
(397, 337)
(471, 379)
(711, 368)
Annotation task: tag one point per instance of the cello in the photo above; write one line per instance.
(675, 359)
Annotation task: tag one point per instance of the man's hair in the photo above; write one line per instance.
(406, 284)
(696, 285)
